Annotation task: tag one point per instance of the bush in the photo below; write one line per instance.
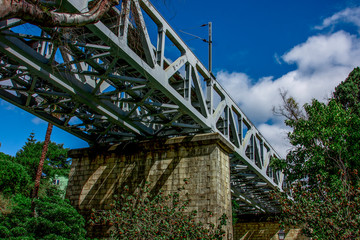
(56, 219)
(145, 216)
(4, 232)
(14, 178)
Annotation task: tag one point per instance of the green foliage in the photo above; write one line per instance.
(322, 168)
(326, 141)
(143, 216)
(55, 219)
(4, 156)
(13, 178)
(56, 162)
(290, 109)
(6, 205)
(323, 212)
(348, 92)
(235, 209)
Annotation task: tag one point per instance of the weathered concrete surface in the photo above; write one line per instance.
(98, 173)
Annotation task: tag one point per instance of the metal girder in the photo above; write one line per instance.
(108, 82)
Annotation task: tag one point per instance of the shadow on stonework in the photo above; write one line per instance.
(100, 177)
(100, 173)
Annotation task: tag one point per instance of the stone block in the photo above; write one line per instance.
(202, 159)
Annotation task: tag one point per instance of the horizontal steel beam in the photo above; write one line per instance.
(109, 82)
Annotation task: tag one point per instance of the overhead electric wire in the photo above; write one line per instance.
(203, 39)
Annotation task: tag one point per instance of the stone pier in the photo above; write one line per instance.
(97, 173)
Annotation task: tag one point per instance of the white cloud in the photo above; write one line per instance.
(277, 59)
(323, 51)
(276, 135)
(323, 61)
(348, 15)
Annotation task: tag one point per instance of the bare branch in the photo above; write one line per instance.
(32, 13)
(289, 109)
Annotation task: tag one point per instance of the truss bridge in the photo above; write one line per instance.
(118, 80)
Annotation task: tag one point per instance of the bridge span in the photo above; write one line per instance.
(112, 81)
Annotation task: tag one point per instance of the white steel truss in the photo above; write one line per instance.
(109, 82)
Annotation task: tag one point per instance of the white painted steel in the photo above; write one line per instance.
(108, 83)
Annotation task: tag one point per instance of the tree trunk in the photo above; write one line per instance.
(41, 164)
(30, 12)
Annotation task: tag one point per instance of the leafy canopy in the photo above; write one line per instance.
(56, 161)
(55, 217)
(14, 178)
(323, 196)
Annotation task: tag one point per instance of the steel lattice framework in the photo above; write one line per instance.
(108, 82)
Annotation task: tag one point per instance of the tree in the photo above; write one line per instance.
(324, 142)
(56, 161)
(290, 109)
(141, 215)
(322, 168)
(55, 217)
(14, 178)
(348, 92)
(43, 14)
(4, 156)
(42, 160)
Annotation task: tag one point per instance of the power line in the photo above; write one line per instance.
(203, 39)
(209, 40)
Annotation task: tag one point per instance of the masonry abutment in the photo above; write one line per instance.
(97, 173)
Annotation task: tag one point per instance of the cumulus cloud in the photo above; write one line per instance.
(318, 52)
(323, 61)
(348, 15)
(276, 135)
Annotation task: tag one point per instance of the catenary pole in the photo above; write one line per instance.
(210, 46)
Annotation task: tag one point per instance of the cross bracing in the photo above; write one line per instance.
(110, 82)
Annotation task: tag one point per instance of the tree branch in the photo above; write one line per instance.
(32, 13)
(289, 109)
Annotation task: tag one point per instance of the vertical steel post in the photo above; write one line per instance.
(210, 46)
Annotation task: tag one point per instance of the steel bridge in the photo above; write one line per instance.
(111, 81)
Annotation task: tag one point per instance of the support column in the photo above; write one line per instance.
(97, 173)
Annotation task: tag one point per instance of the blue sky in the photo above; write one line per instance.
(305, 47)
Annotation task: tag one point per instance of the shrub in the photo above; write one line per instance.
(14, 178)
(55, 219)
(145, 216)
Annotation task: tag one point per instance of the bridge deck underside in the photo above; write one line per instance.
(109, 82)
